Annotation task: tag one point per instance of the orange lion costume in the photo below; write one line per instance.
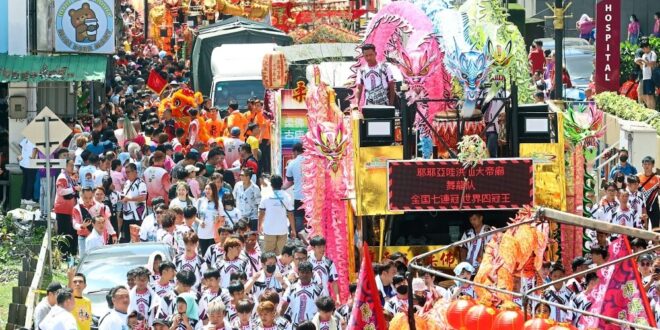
(180, 102)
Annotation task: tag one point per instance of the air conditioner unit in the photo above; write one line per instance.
(640, 140)
(18, 107)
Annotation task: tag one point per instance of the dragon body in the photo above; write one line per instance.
(403, 36)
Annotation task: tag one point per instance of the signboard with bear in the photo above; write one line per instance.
(85, 26)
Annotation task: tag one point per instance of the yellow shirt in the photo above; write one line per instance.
(253, 142)
(83, 313)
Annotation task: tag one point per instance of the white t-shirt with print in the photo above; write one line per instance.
(276, 206)
(207, 212)
(647, 72)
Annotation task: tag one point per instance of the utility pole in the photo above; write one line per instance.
(558, 23)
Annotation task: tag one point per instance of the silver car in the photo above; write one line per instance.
(106, 267)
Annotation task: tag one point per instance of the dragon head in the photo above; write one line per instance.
(416, 66)
(329, 141)
(471, 68)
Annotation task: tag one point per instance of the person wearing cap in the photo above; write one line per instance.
(558, 294)
(420, 296)
(44, 306)
(232, 144)
(60, 316)
(645, 267)
(471, 252)
(576, 284)
(236, 118)
(463, 270)
(191, 174)
(649, 183)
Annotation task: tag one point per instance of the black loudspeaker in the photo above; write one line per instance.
(377, 127)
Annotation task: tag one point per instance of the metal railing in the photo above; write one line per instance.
(541, 216)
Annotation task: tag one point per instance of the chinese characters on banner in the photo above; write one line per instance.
(293, 124)
(445, 184)
(608, 61)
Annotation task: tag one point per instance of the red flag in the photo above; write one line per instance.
(156, 82)
(367, 311)
(620, 293)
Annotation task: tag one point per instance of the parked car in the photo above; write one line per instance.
(106, 267)
(549, 43)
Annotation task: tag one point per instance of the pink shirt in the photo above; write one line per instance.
(118, 180)
(194, 187)
(633, 28)
(157, 180)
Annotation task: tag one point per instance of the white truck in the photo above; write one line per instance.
(236, 70)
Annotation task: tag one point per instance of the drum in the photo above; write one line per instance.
(446, 125)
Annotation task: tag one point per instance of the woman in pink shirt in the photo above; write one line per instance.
(584, 25)
(634, 29)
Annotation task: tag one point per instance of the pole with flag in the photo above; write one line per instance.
(156, 82)
(367, 311)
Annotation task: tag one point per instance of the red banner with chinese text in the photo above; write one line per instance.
(367, 311)
(440, 185)
(608, 60)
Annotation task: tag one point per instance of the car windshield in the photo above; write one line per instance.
(580, 66)
(238, 90)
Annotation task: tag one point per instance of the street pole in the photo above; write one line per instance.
(146, 19)
(48, 188)
(558, 24)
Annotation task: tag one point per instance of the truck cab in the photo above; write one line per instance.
(236, 70)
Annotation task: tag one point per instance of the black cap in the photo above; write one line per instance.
(580, 261)
(53, 287)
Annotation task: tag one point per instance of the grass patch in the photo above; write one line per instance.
(6, 290)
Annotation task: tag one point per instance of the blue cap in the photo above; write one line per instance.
(123, 157)
(235, 131)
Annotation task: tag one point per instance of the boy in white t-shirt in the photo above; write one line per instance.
(647, 63)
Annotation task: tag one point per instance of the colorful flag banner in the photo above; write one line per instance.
(620, 293)
(367, 312)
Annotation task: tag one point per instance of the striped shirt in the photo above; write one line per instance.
(301, 299)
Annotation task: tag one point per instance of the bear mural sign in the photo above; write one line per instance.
(85, 26)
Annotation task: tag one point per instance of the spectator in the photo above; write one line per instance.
(294, 178)
(647, 62)
(634, 30)
(536, 56)
(47, 303)
(59, 317)
(585, 25)
(247, 195)
(656, 25)
(117, 318)
(623, 166)
(274, 211)
(135, 196)
(67, 194)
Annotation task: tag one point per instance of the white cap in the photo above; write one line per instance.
(191, 168)
(418, 284)
(463, 266)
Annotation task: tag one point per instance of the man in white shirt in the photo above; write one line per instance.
(117, 317)
(95, 238)
(134, 199)
(60, 317)
(375, 80)
(274, 211)
(29, 174)
(87, 171)
(47, 303)
(294, 178)
(647, 63)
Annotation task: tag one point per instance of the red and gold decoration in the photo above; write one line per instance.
(367, 311)
(509, 318)
(480, 317)
(289, 15)
(457, 312)
(539, 323)
(563, 326)
(324, 33)
(274, 70)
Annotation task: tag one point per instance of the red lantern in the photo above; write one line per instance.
(457, 311)
(274, 70)
(509, 318)
(539, 323)
(563, 326)
(480, 317)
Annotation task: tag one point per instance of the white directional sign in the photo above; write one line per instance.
(54, 163)
(36, 130)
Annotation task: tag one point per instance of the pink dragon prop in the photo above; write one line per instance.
(326, 172)
(403, 36)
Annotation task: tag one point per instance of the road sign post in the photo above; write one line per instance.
(39, 133)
